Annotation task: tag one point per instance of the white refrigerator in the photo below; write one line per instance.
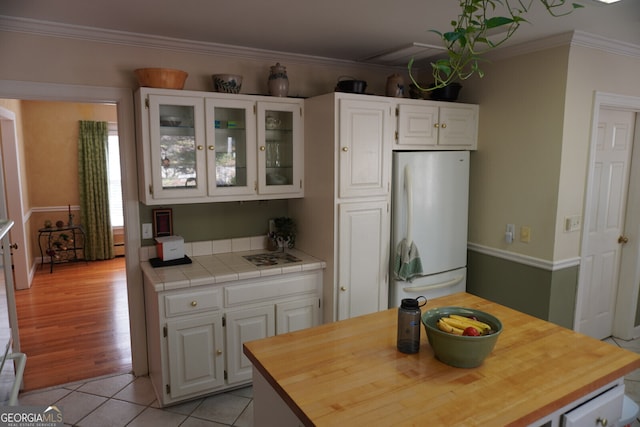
(430, 200)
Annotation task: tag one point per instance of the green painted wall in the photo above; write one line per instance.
(213, 221)
(541, 293)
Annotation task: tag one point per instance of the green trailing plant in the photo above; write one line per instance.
(482, 25)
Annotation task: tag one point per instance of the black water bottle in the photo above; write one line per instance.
(409, 325)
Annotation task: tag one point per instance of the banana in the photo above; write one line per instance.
(457, 323)
(446, 327)
(481, 326)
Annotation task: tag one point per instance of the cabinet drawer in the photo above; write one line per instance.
(193, 302)
(266, 289)
(605, 409)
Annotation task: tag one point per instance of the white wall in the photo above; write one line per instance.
(40, 58)
(535, 123)
(515, 172)
(590, 70)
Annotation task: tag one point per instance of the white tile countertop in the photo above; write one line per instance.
(220, 261)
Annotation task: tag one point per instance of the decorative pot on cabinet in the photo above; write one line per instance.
(278, 81)
(395, 86)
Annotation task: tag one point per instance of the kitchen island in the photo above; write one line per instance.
(350, 372)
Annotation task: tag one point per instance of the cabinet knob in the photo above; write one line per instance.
(436, 125)
(602, 421)
(343, 288)
(443, 126)
(262, 148)
(218, 352)
(200, 147)
(623, 239)
(211, 147)
(345, 149)
(194, 303)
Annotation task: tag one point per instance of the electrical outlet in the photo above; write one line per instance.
(525, 234)
(147, 231)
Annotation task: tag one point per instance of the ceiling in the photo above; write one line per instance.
(339, 29)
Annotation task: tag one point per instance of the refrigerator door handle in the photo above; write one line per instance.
(446, 284)
(408, 187)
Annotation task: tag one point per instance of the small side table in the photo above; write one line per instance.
(61, 244)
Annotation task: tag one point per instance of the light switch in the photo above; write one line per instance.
(572, 223)
(525, 234)
(147, 231)
(510, 233)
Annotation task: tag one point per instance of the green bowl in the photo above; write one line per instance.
(459, 350)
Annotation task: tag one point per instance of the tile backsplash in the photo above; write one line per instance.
(211, 247)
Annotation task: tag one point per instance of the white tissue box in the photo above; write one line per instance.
(170, 247)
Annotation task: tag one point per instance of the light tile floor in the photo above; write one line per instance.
(124, 400)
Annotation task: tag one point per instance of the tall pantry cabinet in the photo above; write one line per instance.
(344, 217)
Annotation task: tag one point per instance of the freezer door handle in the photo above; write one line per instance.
(452, 282)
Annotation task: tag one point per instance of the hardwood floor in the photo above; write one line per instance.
(74, 323)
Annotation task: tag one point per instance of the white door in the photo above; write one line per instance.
(604, 223)
(13, 193)
(626, 322)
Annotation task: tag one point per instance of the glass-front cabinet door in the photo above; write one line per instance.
(178, 160)
(280, 154)
(231, 153)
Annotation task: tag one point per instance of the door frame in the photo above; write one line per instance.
(627, 296)
(123, 98)
(13, 200)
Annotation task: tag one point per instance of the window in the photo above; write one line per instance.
(115, 180)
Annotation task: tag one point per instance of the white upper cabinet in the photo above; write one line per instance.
(431, 125)
(198, 147)
(280, 155)
(231, 136)
(365, 133)
(177, 159)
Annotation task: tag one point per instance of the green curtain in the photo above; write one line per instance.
(94, 190)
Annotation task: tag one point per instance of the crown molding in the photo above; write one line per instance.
(124, 38)
(78, 32)
(572, 38)
(593, 41)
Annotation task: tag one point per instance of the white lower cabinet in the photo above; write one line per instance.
(195, 355)
(362, 255)
(242, 326)
(598, 408)
(296, 315)
(604, 410)
(262, 322)
(195, 335)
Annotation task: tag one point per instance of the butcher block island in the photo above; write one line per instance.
(350, 373)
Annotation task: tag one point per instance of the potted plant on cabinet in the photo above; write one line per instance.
(482, 25)
(282, 234)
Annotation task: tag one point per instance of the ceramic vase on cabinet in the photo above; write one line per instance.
(278, 81)
(395, 86)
